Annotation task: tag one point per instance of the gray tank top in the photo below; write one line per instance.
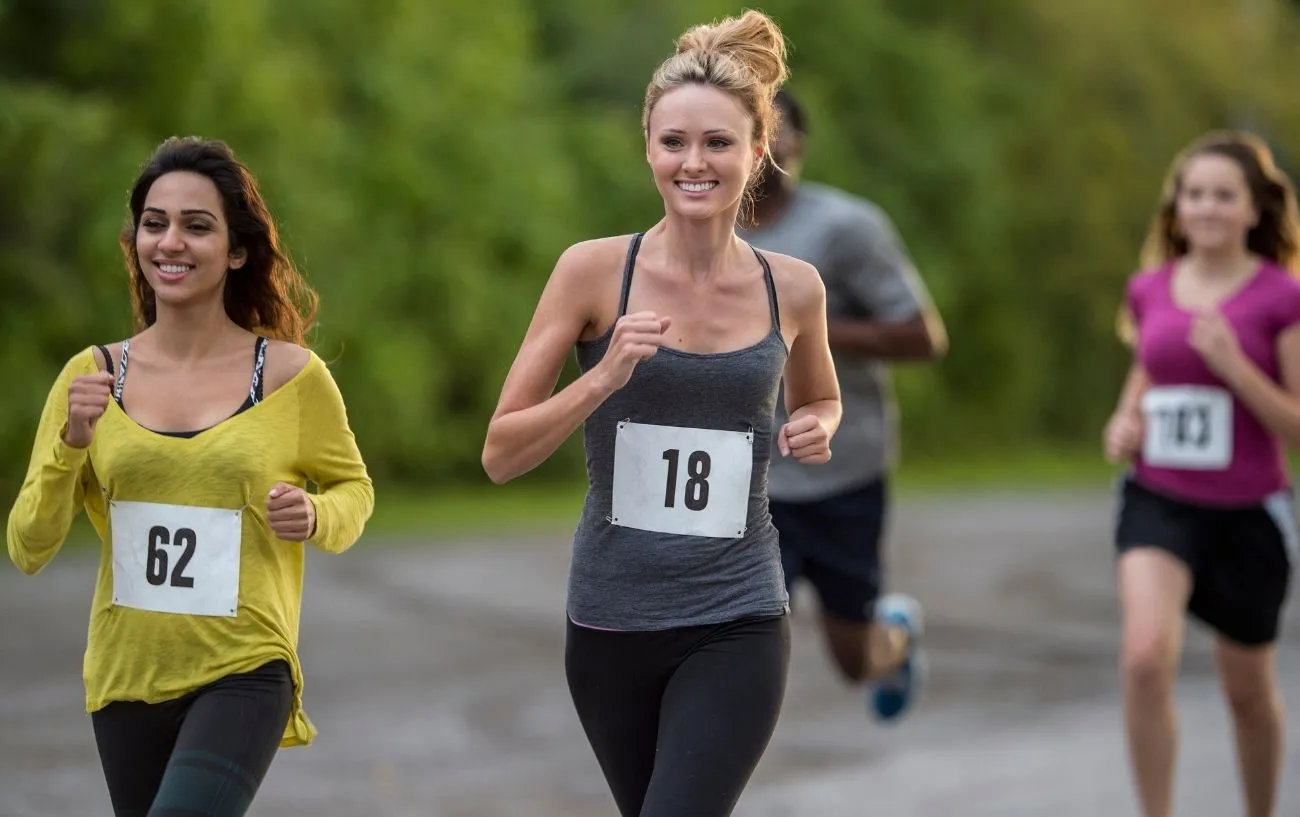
(675, 529)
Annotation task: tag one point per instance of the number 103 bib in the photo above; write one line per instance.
(690, 481)
(176, 558)
(1188, 427)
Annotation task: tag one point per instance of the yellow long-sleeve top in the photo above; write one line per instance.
(297, 433)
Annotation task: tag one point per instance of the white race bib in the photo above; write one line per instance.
(1188, 427)
(176, 558)
(692, 481)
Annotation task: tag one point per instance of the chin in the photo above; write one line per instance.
(699, 210)
(1212, 244)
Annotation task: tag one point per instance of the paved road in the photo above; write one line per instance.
(434, 673)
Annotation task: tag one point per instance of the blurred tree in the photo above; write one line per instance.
(428, 163)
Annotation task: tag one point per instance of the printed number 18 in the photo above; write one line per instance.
(696, 494)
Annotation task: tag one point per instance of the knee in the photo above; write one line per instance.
(854, 665)
(1149, 669)
(1250, 695)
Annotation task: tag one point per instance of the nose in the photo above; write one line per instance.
(694, 160)
(172, 240)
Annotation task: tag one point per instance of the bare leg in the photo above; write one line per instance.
(1154, 588)
(1249, 678)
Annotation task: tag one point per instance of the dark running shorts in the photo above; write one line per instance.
(1239, 558)
(834, 543)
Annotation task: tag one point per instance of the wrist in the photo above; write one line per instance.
(599, 384)
(1238, 367)
(69, 441)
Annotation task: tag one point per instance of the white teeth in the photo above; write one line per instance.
(697, 187)
(174, 269)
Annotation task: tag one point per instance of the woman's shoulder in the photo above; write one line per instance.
(798, 283)
(594, 256)
(285, 361)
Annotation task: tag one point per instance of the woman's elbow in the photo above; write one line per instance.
(494, 461)
(495, 471)
(24, 557)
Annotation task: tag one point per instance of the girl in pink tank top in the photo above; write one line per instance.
(1205, 524)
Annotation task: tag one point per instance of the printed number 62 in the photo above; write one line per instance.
(155, 571)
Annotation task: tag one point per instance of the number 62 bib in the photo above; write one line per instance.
(176, 558)
(691, 481)
(1187, 427)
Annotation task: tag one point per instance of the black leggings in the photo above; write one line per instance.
(201, 755)
(679, 718)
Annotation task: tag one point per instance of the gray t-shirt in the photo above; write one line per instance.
(868, 275)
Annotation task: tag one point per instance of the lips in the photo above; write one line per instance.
(172, 271)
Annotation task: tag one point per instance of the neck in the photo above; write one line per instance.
(699, 246)
(190, 332)
(1218, 262)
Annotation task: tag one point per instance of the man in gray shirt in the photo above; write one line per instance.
(831, 518)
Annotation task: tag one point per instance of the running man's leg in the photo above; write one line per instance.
(839, 542)
(226, 743)
(719, 711)
(835, 544)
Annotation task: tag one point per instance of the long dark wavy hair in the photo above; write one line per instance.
(267, 295)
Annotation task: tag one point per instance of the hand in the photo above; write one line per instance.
(636, 337)
(88, 396)
(290, 513)
(806, 439)
(1213, 338)
(1123, 436)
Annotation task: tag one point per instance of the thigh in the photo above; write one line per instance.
(616, 680)
(720, 709)
(840, 545)
(226, 743)
(1245, 573)
(135, 741)
(1146, 519)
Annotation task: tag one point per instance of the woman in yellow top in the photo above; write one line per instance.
(190, 446)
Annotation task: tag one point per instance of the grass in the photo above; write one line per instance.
(1065, 469)
(525, 507)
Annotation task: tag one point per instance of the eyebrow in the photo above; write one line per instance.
(183, 212)
(709, 132)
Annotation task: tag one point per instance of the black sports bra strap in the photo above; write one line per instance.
(259, 364)
(628, 266)
(108, 359)
(771, 289)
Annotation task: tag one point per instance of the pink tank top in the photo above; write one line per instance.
(1202, 444)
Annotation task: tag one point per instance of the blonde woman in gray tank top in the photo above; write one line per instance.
(678, 639)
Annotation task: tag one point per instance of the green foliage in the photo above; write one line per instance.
(429, 161)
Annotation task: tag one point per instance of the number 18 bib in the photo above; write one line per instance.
(176, 558)
(691, 481)
(1188, 427)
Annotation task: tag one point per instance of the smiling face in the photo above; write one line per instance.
(1214, 206)
(182, 240)
(701, 150)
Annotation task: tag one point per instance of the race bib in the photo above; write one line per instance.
(176, 558)
(1188, 427)
(691, 481)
